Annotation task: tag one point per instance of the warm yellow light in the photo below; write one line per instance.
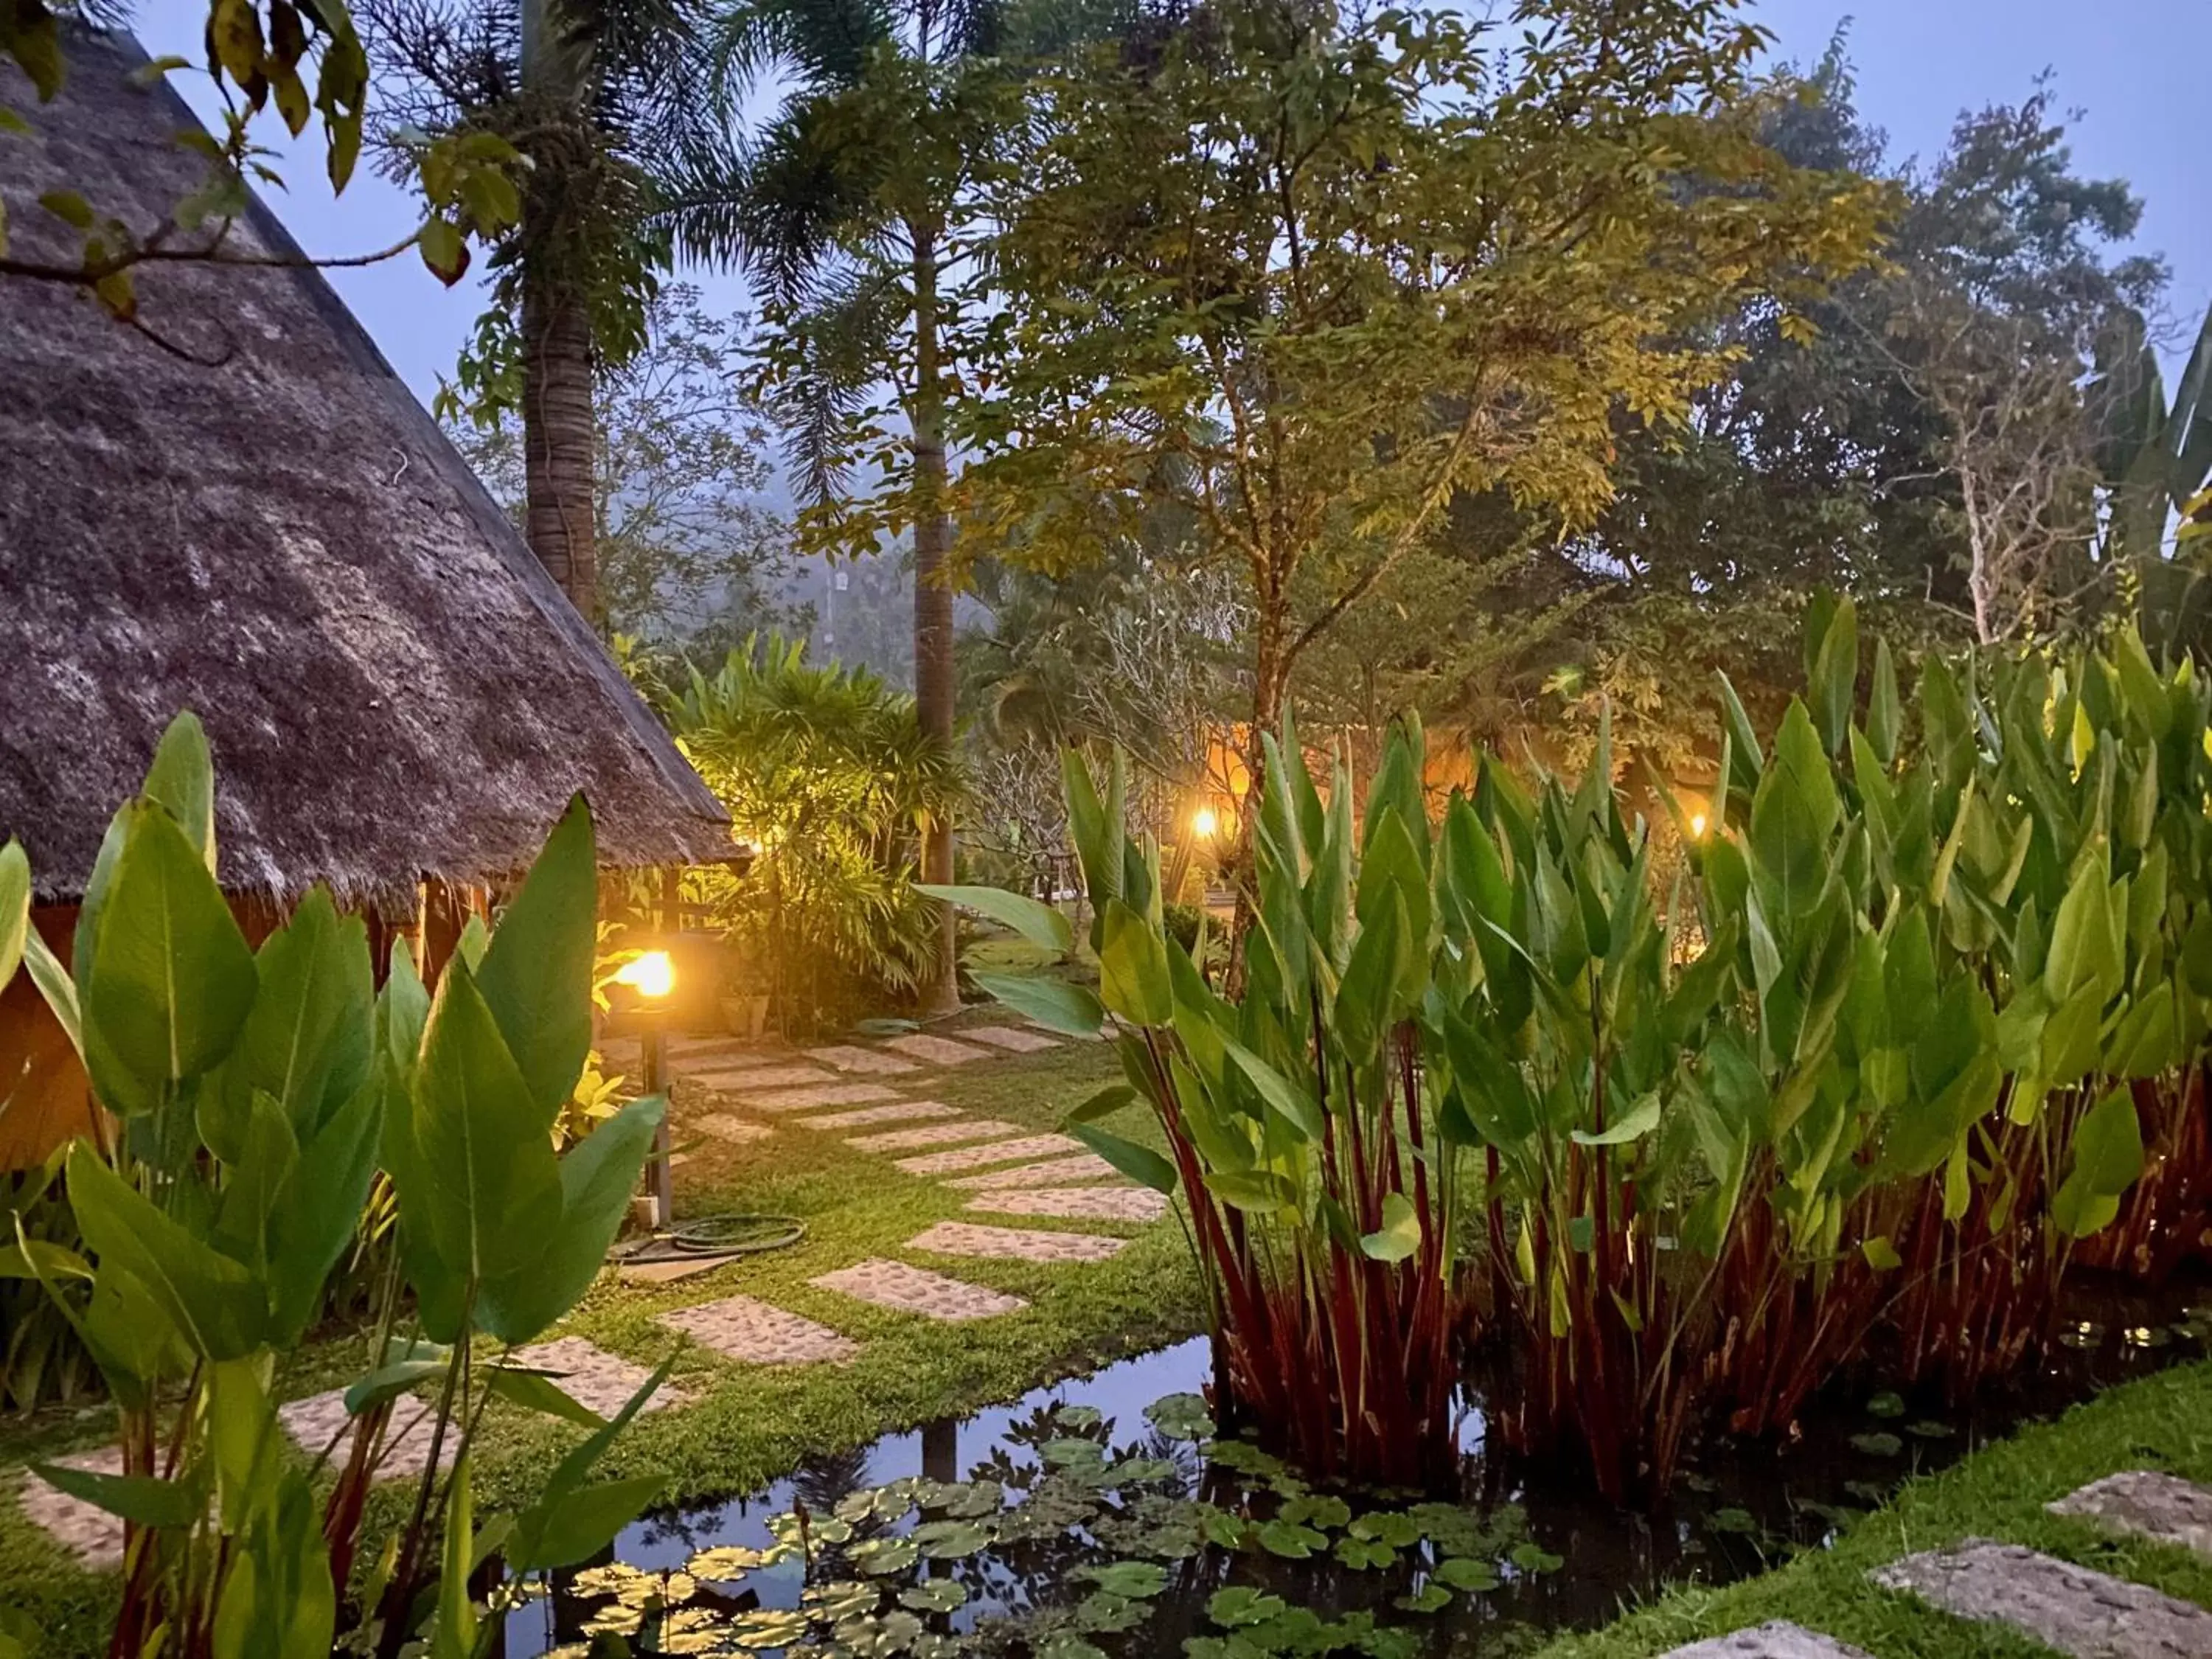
(650, 974)
(1204, 823)
(1697, 826)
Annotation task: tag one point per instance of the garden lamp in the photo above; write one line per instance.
(653, 977)
(1204, 822)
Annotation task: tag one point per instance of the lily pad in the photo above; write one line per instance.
(1431, 1597)
(1139, 1579)
(1929, 1428)
(841, 1599)
(1143, 1471)
(1463, 1573)
(1242, 1455)
(1181, 1416)
(727, 1562)
(1079, 1416)
(880, 1557)
(1361, 1554)
(961, 1500)
(1326, 1513)
(876, 1638)
(948, 1540)
(934, 1596)
(1067, 1644)
(1221, 1528)
(1388, 1527)
(1887, 1403)
(1878, 1444)
(1739, 1522)
(1071, 1452)
(1530, 1557)
(1288, 1539)
(1239, 1606)
(768, 1627)
(1105, 1613)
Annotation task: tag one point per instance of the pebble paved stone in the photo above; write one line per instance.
(594, 1378)
(2088, 1615)
(1777, 1640)
(93, 1535)
(1077, 1203)
(747, 1078)
(937, 1134)
(670, 1269)
(321, 1418)
(735, 1130)
(915, 1290)
(2161, 1506)
(935, 1050)
(899, 1111)
(741, 1329)
(1014, 1243)
(1015, 1039)
(1053, 1172)
(998, 1152)
(828, 1094)
(726, 1053)
(851, 1057)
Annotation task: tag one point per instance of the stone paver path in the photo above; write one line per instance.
(1077, 1203)
(2161, 1506)
(851, 1057)
(998, 1152)
(1777, 1640)
(1014, 1243)
(594, 1378)
(739, 1327)
(93, 1535)
(2087, 1615)
(937, 1134)
(1052, 1172)
(748, 1079)
(735, 1130)
(915, 1290)
(899, 1111)
(1017, 1040)
(321, 1418)
(714, 1051)
(935, 1050)
(809, 1100)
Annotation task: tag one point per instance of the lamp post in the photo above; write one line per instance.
(653, 977)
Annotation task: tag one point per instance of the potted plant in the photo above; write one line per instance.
(745, 992)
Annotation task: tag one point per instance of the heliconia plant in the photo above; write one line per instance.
(254, 1096)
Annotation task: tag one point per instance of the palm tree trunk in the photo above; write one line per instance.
(934, 693)
(559, 435)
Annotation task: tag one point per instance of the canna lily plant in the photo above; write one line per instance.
(251, 1096)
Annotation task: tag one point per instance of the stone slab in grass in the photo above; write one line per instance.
(1014, 1243)
(870, 1063)
(670, 1269)
(1014, 1039)
(739, 1327)
(93, 1535)
(1052, 1172)
(915, 1290)
(2087, 1615)
(729, 1053)
(1777, 1640)
(1077, 1203)
(814, 1099)
(899, 1111)
(937, 1134)
(935, 1050)
(998, 1152)
(594, 1378)
(746, 1078)
(735, 1130)
(315, 1422)
(2163, 1507)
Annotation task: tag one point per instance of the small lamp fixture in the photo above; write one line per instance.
(1204, 822)
(653, 977)
(1697, 826)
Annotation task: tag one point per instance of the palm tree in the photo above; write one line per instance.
(609, 99)
(847, 209)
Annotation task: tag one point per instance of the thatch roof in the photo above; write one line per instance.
(284, 543)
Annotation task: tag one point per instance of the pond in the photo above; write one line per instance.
(1091, 1517)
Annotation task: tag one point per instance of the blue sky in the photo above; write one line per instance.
(2133, 67)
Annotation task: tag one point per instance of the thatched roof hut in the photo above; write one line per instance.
(283, 543)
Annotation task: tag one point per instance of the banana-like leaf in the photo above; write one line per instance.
(1052, 1003)
(1042, 926)
(536, 974)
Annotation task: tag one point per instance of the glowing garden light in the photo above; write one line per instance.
(650, 974)
(1205, 821)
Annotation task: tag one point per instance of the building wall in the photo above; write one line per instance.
(44, 1099)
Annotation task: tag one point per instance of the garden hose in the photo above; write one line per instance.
(731, 1233)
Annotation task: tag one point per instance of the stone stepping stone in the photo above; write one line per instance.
(937, 1134)
(669, 1269)
(899, 1111)
(1014, 1243)
(747, 1078)
(1053, 1172)
(1077, 1203)
(813, 1099)
(716, 1054)
(908, 1289)
(998, 1152)
(594, 1378)
(935, 1050)
(93, 1535)
(851, 1057)
(2163, 1507)
(1012, 1038)
(738, 1328)
(1777, 1640)
(735, 1130)
(2087, 1615)
(322, 1418)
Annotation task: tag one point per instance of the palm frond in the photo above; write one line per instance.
(843, 337)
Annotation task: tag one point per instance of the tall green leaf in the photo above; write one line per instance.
(535, 976)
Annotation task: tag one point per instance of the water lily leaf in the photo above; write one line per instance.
(1243, 1456)
(1139, 1579)
(1326, 1513)
(1238, 1606)
(1387, 1527)
(1361, 1553)
(1887, 1403)
(1431, 1597)
(1105, 1613)
(1464, 1573)
(873, 1638)
(1878, 1444)
(934, 1596)
(1531, 1557)
(1067, 1644)
(1071, 1452)
(1079, 1416)
(1181, 1416)
(768, 1627)
(1929, 1428)
(879, 1557)
(841, 1599)
(1220, 1528)
(1289, 1540)
(1732, 1520)
(961, 1500)
(948, 1540)
(726, 1562)
(1143, 1471)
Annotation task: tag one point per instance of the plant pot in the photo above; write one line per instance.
(745, 1016)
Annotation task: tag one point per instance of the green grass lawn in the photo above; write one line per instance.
(748, 1423)
(2162, 1422)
